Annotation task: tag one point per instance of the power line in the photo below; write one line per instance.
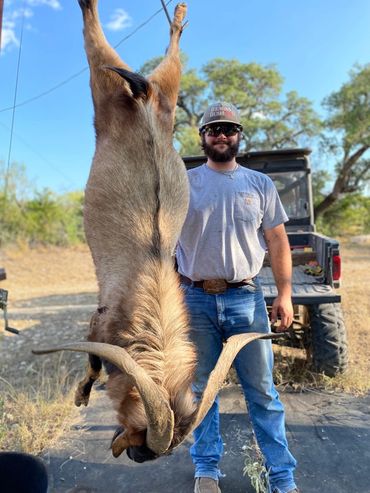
(71, 182)
(14, 106)
(1, 18)
(77, 74)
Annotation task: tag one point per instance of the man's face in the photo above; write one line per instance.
(220, 141)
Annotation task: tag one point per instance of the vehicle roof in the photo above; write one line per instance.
(271, 160)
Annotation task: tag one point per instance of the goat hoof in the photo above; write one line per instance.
(81, 398)
(84, 4)
(180, 13)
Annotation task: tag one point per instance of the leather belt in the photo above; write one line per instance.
(214, 286)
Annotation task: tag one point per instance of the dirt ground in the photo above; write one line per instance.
(52, 293)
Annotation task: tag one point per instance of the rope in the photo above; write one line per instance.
(166, 11)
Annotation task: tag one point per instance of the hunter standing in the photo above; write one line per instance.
(234, 213)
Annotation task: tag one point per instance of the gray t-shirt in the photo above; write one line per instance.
(222, 237)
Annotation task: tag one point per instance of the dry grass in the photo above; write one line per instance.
(355, 291)
(35, 415)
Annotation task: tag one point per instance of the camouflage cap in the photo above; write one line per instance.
(220, 113)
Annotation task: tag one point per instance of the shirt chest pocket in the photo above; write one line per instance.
(247, 207)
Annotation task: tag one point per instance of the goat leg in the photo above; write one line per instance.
(100, 55)
(94, 367)
(168, 73)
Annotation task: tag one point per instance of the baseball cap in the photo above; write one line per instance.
(220, 113)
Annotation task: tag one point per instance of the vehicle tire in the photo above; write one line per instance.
(328, 339)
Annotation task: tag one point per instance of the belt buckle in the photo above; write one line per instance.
(214, 286)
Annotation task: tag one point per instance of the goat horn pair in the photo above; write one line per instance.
(158, 411)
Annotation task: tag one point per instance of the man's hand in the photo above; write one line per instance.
(282, 309)
(281, 264)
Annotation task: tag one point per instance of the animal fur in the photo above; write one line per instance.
(135, 203)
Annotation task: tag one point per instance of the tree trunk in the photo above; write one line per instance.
(342, 181)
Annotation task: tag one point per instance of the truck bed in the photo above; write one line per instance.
(307, 249)
(306, 289)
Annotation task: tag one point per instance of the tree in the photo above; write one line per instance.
(32, 216)
(270, 120)
(347, 136)
(14, 189)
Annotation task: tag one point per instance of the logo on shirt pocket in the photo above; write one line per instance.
(247, 207)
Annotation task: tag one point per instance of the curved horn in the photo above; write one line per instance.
(158, 411)
(232, 347)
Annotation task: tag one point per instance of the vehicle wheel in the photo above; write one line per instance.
(328, 338)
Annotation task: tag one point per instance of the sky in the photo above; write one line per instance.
(313, 44)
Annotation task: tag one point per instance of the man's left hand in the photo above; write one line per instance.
(282, 309)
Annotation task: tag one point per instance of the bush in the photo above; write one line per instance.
(37, 217)
(348, 216)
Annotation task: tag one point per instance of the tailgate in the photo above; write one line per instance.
(306, 289)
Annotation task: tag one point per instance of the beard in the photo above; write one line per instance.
(221, 156)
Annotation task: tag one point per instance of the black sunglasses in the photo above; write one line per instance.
(226, 130)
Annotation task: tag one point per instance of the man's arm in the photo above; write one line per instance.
(281, 264)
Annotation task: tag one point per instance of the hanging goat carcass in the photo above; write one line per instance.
(135, 204)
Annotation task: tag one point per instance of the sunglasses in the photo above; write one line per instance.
(226, 130)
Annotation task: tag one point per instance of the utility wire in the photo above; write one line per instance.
(50, 164)
(1, 19)
(77, 74)
(14, 106)
(164, 6)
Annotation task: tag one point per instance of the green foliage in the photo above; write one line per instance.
(348, 216)
(320, 180)
(349, 108)
(347, 136)
(190, 141)
(53, 219)
(271, 120)
(37, 217)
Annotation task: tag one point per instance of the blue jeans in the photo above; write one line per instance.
(214, 318)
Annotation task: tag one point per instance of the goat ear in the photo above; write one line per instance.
(119, 443)
(138, 84)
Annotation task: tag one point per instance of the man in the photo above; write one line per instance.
(233, 214)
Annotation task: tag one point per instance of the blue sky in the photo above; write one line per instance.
(314, 44)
